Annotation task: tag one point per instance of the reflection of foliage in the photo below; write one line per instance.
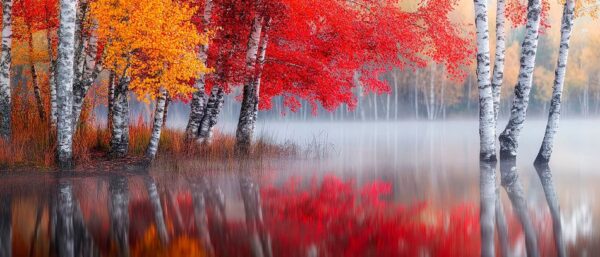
(338, 221)
(150, 246)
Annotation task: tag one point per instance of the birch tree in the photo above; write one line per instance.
(152, 54)
(250, 94)
(5, 65)
(64, 79)
(197, 106)
(159, 115)
(211, 112)
(561, 69)
(510, 136)
(487, 133)
(498, 73)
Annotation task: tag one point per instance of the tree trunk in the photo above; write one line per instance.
(158, 124)
(545, 175)
(561, 69)
(52, 80)
(119, 142)
(198, 103)
(498, 75)
(487, 190)
(502, 226)
(5, 65)
(487, 146)
(34, 77)
(431, 103)
(250, 95)
(118, 207)
(514, 189)
(111, 99)
(509, 138)
(90, 69)
(167, 103)
(64, 85)
(211, 114)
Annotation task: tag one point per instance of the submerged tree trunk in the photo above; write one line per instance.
(260, 241)
(545, 175)
(159, 114)
(198, 103)
(5, 65)
(64, 85)
(487, 190)
(64, 232)
(34, 77)
(487, 145)
(5, 226)
(211, 114)
(498, 75)
(514, 189)
(509, 138)
(201, 218)
(250, 96)
(159, 218)
(119, 142)
(119, 213)
(561, 69)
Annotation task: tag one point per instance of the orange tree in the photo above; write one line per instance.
(150, 48)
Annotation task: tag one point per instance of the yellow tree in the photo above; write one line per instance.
(150, 48)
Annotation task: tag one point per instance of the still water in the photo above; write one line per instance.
(363, 189)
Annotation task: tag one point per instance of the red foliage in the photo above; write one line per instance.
(39, 14)
(516, 12)
(316, 47)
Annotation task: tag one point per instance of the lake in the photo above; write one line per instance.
(406, 188)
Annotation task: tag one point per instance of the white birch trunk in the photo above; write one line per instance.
(157, 126)
(5, 65)
(119, 142)
(509, 138)
(64, 235)
(262, 54)
(34, 76)
(64, 79)
(197, 106)
(498, 75)
(487, 146)
(416, 95)
(559, 80)
(245, 123)
(260, 240)
(212, 111)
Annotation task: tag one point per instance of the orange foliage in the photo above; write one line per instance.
(181, 246)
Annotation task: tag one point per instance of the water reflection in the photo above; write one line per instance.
(545, 175)
(265, 214)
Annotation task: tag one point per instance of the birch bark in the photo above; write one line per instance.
(498, 74)
(157, 125)
(509, 138)
(487, 190)
(245, 122)
(545, 175)
(561, 69)
(52, 80)
(198, 103)
(5, 65)
(64, 82)
(487, 151)
(211, 111)
(119, 143)
(119, 213)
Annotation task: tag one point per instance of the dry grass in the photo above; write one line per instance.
(33, 144)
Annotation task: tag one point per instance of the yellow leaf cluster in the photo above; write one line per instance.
(153, 42)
